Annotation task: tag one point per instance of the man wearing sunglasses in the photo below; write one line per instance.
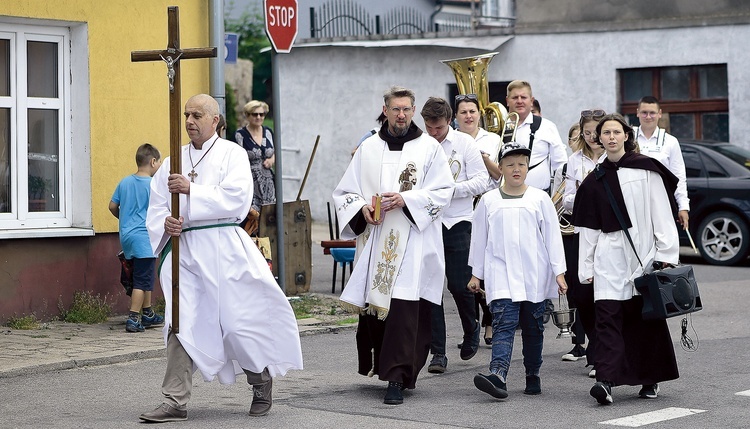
(664, 147)
(547, 149)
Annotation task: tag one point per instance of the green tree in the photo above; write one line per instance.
(231, 113)
(250, 26)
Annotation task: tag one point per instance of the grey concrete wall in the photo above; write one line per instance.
(337, 91)
(627, 13)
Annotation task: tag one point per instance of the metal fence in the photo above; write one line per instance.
(342, 18)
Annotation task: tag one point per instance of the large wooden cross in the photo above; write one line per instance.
(172, 56)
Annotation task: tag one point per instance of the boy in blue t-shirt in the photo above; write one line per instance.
(129, 204)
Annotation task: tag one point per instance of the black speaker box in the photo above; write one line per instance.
(668, 293)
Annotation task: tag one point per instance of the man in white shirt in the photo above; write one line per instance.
(547, 149)
(664, 147)
(470, 175)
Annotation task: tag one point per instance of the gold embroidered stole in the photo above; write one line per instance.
(381, 169)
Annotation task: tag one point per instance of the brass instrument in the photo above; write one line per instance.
(471, 78)
(510, 127)
(557, 199)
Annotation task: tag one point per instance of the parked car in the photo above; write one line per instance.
(719, 191)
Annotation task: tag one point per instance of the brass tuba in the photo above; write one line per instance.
(557, 199)
(471, 78)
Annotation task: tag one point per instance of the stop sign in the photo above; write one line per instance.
(281, 23)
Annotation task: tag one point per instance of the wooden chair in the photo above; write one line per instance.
(342, 251)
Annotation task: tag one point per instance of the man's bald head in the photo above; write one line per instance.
(201, 117)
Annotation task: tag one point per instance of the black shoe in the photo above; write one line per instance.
(533, 385)
(393, 395)
(438, 364)
(576, 353)
(649, 391)
(491, 385)
(602, 392)
(470, 346)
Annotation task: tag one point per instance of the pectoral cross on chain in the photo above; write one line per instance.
(192, 175)
(172, 56)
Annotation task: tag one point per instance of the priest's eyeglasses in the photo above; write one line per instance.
(399, 110)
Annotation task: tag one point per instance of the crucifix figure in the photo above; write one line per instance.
(172, 56)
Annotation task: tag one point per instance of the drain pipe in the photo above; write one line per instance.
(216, 65)
(432, 16)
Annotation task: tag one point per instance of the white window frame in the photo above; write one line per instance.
(73, 217)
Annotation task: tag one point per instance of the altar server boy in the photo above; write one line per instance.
(516, 248)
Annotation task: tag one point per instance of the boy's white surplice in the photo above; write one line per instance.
(516, 246)
(233, 315)
(376, 169)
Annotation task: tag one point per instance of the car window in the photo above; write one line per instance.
(713, 168)
(693, 165)
(736, 153)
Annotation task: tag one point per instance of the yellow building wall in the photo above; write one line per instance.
(129, 102)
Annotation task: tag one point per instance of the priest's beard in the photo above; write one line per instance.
(398, 131)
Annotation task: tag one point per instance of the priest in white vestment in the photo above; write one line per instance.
(233, 317)
(399, 260)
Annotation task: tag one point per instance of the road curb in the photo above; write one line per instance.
(142, 354)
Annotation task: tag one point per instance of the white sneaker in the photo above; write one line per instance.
(574, 354)
(592, 373)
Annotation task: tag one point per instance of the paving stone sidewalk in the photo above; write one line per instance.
(59, 345)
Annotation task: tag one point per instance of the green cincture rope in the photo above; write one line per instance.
(168, 248)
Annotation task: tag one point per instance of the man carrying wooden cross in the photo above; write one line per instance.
(234, 318)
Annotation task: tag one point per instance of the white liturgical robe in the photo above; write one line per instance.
(233, 315)
(423, 264)
(516, 246)
(608, 257)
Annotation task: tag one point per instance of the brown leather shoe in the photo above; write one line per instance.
(261, 399)
(164, 413)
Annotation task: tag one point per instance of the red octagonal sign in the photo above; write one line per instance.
(281, 23)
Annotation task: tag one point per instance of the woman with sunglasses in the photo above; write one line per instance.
(258, 142)
(587, 152)
(467, 118)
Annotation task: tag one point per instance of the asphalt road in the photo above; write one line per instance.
(329, 393)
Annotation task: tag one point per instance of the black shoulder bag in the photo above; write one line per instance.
(666, 292)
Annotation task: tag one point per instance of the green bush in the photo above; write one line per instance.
(159, 305)
(28, 322)
(87, 308)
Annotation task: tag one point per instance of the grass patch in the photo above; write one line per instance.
(27, 323)
(159, 305)
(348, 321)
(87, 308)
(305, 306)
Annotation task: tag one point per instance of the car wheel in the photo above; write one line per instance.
(723, 238)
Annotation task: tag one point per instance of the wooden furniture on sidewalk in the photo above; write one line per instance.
(342, 251)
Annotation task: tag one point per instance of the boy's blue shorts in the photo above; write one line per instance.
(143, 273)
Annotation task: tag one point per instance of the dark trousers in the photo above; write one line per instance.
(456, 242)
(396, 348)
(580, 297)
(630, 350)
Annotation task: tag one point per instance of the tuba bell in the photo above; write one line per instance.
(471, 78)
